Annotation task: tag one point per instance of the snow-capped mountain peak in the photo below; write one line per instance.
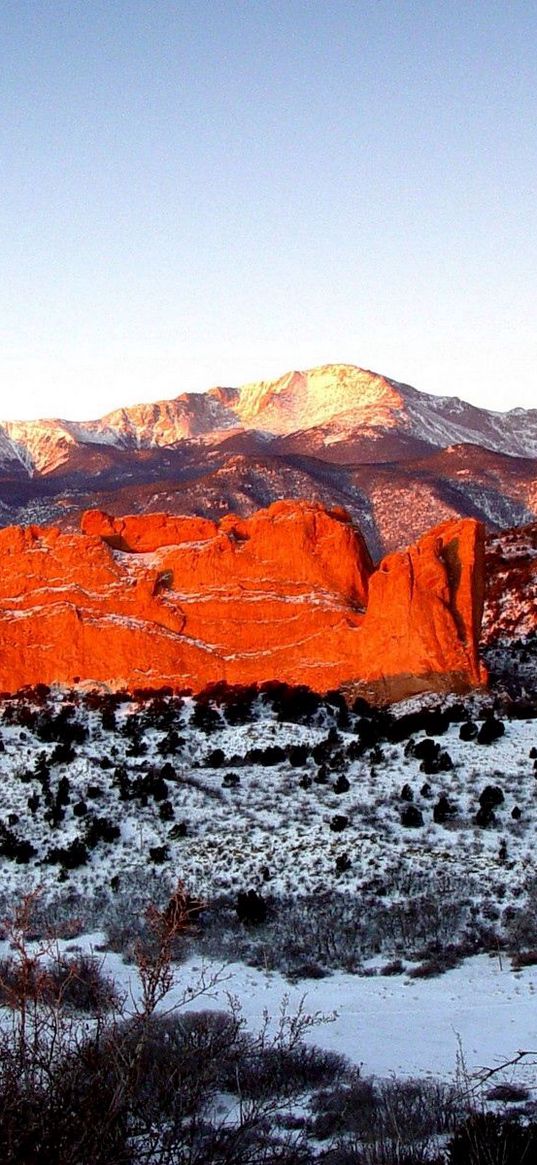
(303, 400)
(322, 408)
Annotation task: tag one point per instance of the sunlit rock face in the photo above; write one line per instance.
(288, 594)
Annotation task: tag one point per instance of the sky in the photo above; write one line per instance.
(202, 192)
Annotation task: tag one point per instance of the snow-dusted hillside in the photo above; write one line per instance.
(511, 607)
(247, 796)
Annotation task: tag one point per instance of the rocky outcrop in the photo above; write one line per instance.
(511, 595)
(421, 627)
(288, 594)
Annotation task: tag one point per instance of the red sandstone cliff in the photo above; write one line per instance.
(288, 594)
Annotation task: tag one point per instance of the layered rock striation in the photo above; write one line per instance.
(288, 594)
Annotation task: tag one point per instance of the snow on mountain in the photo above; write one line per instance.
(303, 400)
(327, 406)
(165, 423)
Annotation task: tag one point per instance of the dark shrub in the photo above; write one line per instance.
(292, 705)
(443, 810)
(369, 733)
(178, 831)
(406, 793)
(339, 822)
(436, 723)
(435, 965)
(62, 754)
(159, 854)
(230, 780)
(274, 1071)
(167, 772)
(166, 811)
(526, 958)
(485, 818)
(425, 749)
(297, 755)
(70, 856)
(342, 785)
(215, 759)
(251, 908)
(343, 863)
(101, 829)
(273, 754)
(206, 718)
(155, 786)
(509, 1093)
(171, 744)
(491, 796)
(468, 730)
(441, 763)
(488, 1139)
(79, 982)
(14, 848)
(395, 967)
(411, 817)
(490, 731)
(63, 791)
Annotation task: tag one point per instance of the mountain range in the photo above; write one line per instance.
(397, 459)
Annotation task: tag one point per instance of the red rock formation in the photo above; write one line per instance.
(287, 594)
(421, 628)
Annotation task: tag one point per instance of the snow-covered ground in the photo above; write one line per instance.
(228, 821)
(186, 796)
(481, 1011)
(393, 1024)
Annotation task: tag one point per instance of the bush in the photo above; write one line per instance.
(509, 1093)
(251, 908)
(411, 817)
(100, 829)
(488, 1139)
(79, 982)
(440, 763)
(425, 749)
(159, 854)
(485, 817)
(491, 796)
(297, 755)
(69, 856)
(166, 811)
(339, 822)
(491, 730)
(468, 730)
(443, 810)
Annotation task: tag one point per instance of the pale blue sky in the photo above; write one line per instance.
(194, 193)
